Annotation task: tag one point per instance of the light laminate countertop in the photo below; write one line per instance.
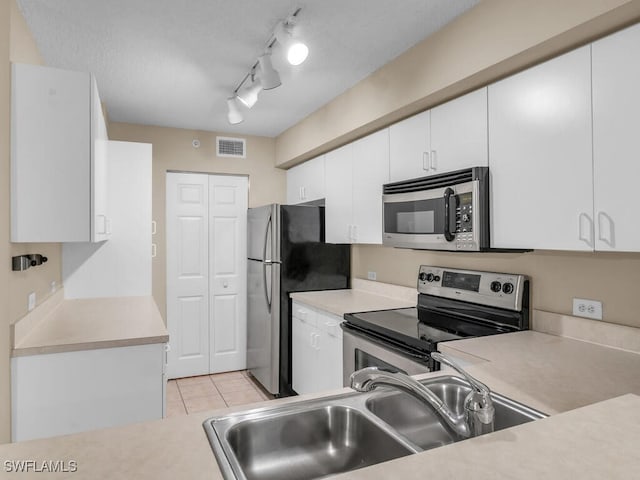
(88, 324)
(550, 373)
(340, 302)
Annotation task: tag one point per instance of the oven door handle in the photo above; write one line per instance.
(386, 343)
(448, 211)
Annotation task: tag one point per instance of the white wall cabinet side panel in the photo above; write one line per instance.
(120, 267)
(50, 155)
(459, 133)
(101, 226)
(228, 202)
(370, 172)
(306, 182)
(187, 274)
(540, 156)
(63, 393)
(409, 146)
(616, 140)
(339, 195)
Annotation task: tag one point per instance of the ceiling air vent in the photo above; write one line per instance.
(231, 147)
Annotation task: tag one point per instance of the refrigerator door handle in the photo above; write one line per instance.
(266, 263)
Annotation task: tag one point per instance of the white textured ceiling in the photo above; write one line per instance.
(174, 62)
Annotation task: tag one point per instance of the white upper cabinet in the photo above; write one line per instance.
(616, 139)
(355, 174)
(459, 133)
(409, 147)
(540, 156)
(448, 137)
(305, 182)
(58, 157)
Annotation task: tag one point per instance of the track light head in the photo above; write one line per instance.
(234, 115)
(269, 76)
(248, 96)
(296, 50)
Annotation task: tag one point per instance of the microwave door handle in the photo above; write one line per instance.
(448, 235)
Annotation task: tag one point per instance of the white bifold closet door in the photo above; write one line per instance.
(206, 273)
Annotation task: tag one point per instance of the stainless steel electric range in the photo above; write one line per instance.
(452, 304)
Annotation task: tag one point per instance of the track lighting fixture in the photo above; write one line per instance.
(262, 75)
(234, 115)
(249, 94)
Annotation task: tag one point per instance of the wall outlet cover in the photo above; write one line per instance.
(371, 275)
(31, 301)
(587, 308)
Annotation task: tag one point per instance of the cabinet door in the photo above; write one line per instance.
(370, 172)
(339, 195)
(409, 145)
(330, 352)
(305, 182)
(50, 155)
(101, 222)
(303, 356)
(540, 156)
(459, 133)
(616, 102)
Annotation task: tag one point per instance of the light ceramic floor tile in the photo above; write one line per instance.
(199, 390)
(233, 385)
(201, 404)
(173, 395)
(227, 376)
(175, 409)
(193, 380)
(242, 398)
(172, 386)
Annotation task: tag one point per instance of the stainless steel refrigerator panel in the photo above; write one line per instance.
(263, 225)
(263, 323)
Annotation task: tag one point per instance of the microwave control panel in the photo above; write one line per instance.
(464, 223)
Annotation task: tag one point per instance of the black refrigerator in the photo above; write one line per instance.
(286, 253)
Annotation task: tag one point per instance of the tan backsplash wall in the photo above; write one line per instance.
(17, 45)
(557, 277)
(493, 39)
(23, 49)
(172, 150)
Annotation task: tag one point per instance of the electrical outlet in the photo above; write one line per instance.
(31, 301)
(587, 308)
(371, 275)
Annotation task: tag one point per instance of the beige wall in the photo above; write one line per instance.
(557, 277)
(493, 39)
(16, 44)
(172, 150)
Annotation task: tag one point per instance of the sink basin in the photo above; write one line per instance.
(326, 436)
(421, 425)
(308, 443)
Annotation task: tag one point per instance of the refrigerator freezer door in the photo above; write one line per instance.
(263, 324)
(262, 233)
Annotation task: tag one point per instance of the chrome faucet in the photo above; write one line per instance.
(478, 415)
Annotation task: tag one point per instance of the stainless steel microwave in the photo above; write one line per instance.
(449, 211)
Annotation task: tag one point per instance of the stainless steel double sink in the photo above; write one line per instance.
(330, 435)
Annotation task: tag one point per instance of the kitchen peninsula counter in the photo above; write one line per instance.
(598, 440)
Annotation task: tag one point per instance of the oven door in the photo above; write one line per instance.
(361, 350)
(425, 219)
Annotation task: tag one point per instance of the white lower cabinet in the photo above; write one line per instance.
(70, 392)
(316, 350)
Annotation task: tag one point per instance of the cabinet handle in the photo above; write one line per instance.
(304, 193)
(153, 227)
(103, 230)
(355, 233)
(588, 239)
(154, 250)
(433, 162)
(350, 234)
(611, 240)
(317, 345)
(425, 161)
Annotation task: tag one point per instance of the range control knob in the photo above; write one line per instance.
(496, 286)
(422, 276)
(507, 288)
(430, 277)
(437, 278)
